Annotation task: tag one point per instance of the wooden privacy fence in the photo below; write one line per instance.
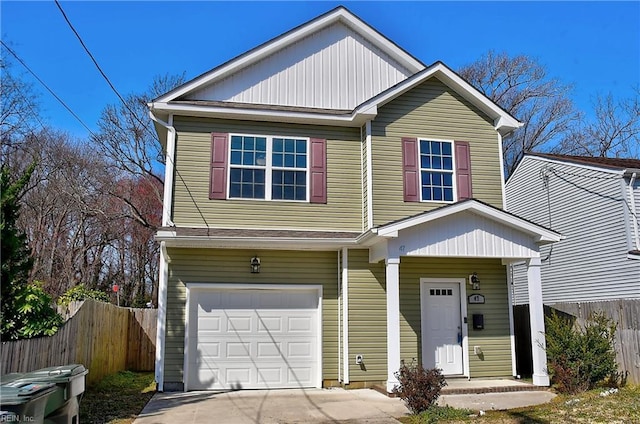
(626, 313)
(103, 337)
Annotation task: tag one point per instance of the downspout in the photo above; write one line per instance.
(502, 179)
(634, 213)
(169, 168)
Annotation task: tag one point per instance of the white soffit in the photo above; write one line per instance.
(539, 234)
(335, 61)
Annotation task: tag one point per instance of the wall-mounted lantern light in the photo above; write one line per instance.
(474, 281)
(255, 265)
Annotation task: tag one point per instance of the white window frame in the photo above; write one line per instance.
(453, 171)
(269, 168)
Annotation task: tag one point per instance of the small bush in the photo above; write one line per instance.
(419, 388)
(580, 357)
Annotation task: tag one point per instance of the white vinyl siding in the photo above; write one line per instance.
(586, 206)
(334, 68)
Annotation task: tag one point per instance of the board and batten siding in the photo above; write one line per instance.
(586, 206)
(232, 266)
(334, 68)
(430, 111)
(193, 208)
(494, 339)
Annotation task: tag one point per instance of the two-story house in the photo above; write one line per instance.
(332, 208)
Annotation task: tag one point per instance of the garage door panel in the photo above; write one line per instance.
(269, 350)
(253, 339)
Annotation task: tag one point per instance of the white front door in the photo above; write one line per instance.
(442, 332)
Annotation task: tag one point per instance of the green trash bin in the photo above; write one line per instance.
(22, 400)
(63, 406)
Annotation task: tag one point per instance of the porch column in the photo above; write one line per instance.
(536, 316)
(393, 321)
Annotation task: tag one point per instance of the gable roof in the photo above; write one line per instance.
(362, 106)
(338, 15)
(542, 234)
(621, 164)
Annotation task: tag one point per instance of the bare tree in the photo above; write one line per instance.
(613, 132)
(521, 86)
(19, 107)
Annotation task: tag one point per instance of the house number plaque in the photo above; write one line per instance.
(476, 298)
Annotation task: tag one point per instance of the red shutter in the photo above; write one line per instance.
(318, 169)
(218, 176)
(463, 170)
(410, 178)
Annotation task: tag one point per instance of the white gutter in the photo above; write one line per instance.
(353, 118)
(169, 168)
(634, 212)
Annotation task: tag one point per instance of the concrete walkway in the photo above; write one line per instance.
(326, 405)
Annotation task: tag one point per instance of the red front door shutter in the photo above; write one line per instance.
(318, 169)
(218, 176)
(410, 177)
(463, 170)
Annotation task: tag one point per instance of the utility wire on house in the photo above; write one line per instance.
(22, 62)
(126, 105)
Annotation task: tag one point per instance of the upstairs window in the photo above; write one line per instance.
(436, 170)
(270, 168)
(433, 169)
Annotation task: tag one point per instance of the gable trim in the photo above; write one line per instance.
(339, 14)
(541, 235)
(503, 121)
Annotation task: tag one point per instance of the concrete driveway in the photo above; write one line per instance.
(273, 406)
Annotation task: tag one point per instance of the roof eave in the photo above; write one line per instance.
(503, 122)
(353, 119)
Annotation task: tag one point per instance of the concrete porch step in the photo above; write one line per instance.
(463, 386)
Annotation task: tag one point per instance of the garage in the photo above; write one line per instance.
(253, 337)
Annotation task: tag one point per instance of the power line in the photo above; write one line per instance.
(126, 105)
(104, 75)
(15, 55)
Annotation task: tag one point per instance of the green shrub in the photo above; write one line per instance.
(81, 292)
(580, 357)
(419, 387)
(35, 313)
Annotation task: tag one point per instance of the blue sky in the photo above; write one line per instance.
(593, 45)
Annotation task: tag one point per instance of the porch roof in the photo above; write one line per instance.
(470, 228)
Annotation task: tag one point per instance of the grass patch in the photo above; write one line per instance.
(117, 399)
(589, 407)
(436, 414)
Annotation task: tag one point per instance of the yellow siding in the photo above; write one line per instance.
(367, 318)
(343, 211)
(232, 266)
(430, 110)
(494, 339)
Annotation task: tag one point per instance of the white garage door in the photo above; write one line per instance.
(253, 339)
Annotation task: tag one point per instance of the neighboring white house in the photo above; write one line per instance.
(595, 204)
